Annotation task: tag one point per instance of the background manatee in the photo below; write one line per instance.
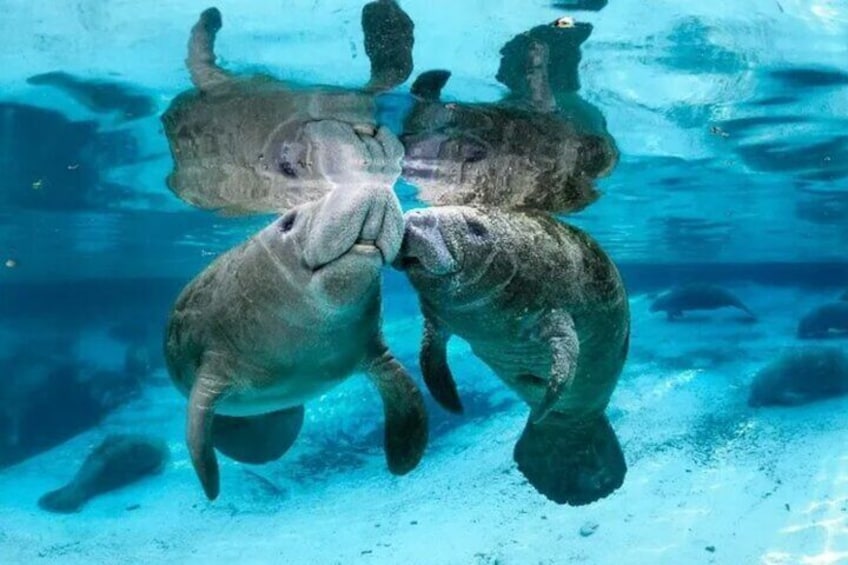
(254, 144)
(119, 460)
(800, 376)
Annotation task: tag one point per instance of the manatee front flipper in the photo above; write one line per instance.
(571, 462)
(201, 51)
(206, 392)
(403, 406)
(429, 84)
(433, 360)
(257, 439)
(557, 328)
(389, 37)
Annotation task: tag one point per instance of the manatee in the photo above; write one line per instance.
(542, 305)
(696, 297)
(800, 376)
(282, 319)
(824, 321)
(120, 460)
(541, 146)
(98, 95)
(256, 144)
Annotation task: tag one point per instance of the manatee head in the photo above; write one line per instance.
(457, 251)
(333, 248)
(502, 155)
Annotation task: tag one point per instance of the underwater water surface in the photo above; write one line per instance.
(724, 209)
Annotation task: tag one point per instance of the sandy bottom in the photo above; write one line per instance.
(710, 480)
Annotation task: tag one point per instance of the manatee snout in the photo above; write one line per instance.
(355, 221)
(424, 245)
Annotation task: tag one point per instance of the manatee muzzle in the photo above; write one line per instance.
(424, 245)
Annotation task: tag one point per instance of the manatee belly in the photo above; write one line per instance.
(286, 392)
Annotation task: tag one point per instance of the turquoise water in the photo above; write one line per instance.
(730, 123)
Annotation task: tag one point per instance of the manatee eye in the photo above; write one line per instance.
(476, 228)
(287, 222)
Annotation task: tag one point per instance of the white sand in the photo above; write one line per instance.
(705, 471)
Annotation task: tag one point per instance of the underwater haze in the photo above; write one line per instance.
(696, 152)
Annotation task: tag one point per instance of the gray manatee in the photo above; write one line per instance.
(696, 296)
(800, 376)
(250, 144)
(542, 305)
(119, 460)
(827, 320)
(540, 147)
(282, 319)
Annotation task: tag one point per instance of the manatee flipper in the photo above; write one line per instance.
(201, 51)
(388, 32)
(571, 462)
(206, 392)
(434, 367)
(557, 328)
(403, 406)
(257, 439)
(429, 84)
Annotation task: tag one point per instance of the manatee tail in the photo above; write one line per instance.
(68, 499)
(571, 462)
(201, 51)
(388, 32)
(257, 439)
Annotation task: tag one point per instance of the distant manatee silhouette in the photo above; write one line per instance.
(118, 461)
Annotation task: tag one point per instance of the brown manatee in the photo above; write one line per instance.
(542, 305)
(541, 146)
(282, 319)
(119, 460)
(697, 296)
(249, 144)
